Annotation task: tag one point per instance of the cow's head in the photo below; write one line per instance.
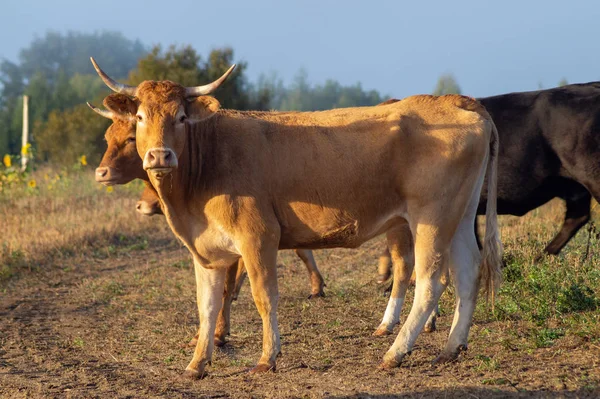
(149, 204)
(163, 110)
(120, 163)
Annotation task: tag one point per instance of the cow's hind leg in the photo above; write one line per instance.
(431, 267)
(223, 321)
(384, 268)
(465, 259)
(260, 260)
(577, 215)
(316, 280)
(240, 277)
(400, 243)
(209, 294)
(430, 324)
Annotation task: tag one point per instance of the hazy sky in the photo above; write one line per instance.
(397, 47)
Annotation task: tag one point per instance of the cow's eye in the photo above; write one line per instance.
(139, 117)
(182, 118)
(131, 140)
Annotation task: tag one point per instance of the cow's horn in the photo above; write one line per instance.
(105, 113)
(209, 88)
(113, 84)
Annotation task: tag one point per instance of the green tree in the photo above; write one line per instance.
(186, 67)
(446, 84)
(563, 82)
(302, 96)
(71, 52)
(66, 135)
(298, 96)
(12, 88)
(51, 72)
(268, 91)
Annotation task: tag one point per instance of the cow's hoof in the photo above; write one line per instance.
(449, 356)
(220, 341)
(262, 368)
(320, 294)
(387, 365)
(430, 327)
(445, 357)
(194, 374)
(392, 360)
(382, 332)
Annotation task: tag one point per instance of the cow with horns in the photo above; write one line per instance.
(245, 184)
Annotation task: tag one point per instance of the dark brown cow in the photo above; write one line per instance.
(245, 184)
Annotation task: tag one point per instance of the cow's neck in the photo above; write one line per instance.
(178, 190)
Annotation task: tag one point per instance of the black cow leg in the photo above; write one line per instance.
(578, 214)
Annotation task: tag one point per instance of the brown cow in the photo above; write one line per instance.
(122, 164)
(245, 184)
(149, 205)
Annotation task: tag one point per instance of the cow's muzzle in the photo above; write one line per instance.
(107, 176)
(160, 161)
(148, 208)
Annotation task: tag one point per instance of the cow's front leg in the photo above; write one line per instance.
(209, 294)
(260, 261)
(223, 320)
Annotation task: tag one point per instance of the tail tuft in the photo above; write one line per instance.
(491, 274)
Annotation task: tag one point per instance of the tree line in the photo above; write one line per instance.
(55, 72)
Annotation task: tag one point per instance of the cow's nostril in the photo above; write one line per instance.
(138, 206)
(167, 155)
(101, 172)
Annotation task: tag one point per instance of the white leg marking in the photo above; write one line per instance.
(209, 293)
(391, 316)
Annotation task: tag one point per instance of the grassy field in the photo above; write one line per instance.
(96, 301)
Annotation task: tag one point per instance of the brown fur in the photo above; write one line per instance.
(239, 186)
(124, 165)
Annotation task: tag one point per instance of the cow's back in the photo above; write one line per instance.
(347, 173)
(538, 130)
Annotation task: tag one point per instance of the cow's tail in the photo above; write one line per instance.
(491, 275)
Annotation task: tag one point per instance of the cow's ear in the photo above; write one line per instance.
(202, 107)
(121, 105)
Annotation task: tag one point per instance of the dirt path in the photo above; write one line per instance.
(115, 327)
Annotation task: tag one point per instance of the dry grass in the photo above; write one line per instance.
(67, 214)
(98, 302)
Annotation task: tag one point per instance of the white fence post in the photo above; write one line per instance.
(25, 138)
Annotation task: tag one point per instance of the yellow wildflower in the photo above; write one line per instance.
(7, 161)
(31, 183)
(46, 177)
(26, 149)
(83, 160)
(109, 189)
